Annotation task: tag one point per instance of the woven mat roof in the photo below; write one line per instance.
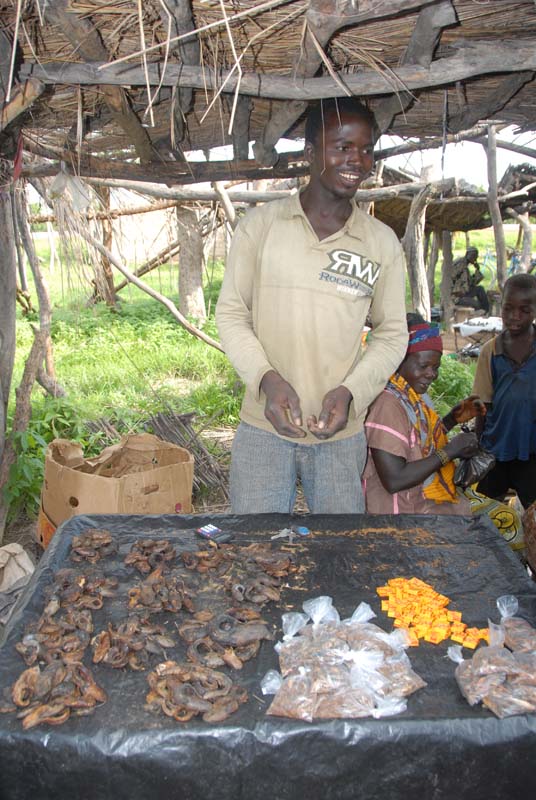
(263, 40)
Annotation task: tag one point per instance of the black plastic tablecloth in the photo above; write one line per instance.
(440, 747)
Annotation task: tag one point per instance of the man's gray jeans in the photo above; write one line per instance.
(265, 468)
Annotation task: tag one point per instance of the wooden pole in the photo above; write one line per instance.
(493, 205)
(432, 264)
(412, 242)
(446, 280)
(526, 227)
(8, 307)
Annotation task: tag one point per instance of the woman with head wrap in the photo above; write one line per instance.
(410, 466)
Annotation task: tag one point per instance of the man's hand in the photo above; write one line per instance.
(468, 409)
(282, 407)
(333, 415)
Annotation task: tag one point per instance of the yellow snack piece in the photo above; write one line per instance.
(470, 643)
(422, 611)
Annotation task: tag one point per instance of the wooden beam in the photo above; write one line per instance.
(87, 44)
(430, 142)
(445, 187)
(515, 148)
(525, 225)
(132, 278)
(21, 99)
(323, 19)
(177, 18)
(113, 213)
(420, 50)
(472, 59)
(491, 105)
(290, 165)
(240, 132)
(494, 210)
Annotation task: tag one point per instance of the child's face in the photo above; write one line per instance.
(518, 310)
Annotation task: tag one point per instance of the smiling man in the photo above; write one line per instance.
(301, 277)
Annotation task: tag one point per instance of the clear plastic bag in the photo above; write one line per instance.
(526, 663)
(371, 637)
(328, 678)
(519, 635)
(319, 609)
(345, 703)
(292, 623)
(294, 698)
(341, 669)
(271, 683)
(400, 679)
(389, 707)
(363, 613)
(472, 686)
(495, 658)
(508, 700)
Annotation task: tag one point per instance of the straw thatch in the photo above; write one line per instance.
(482, 55)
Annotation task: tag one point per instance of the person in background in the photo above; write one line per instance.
(466, 288)
(301, 277)
(505, 379)
(410, 467)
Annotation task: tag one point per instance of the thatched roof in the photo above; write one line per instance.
(466, 61)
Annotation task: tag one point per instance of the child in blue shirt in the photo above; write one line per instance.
(505, 380)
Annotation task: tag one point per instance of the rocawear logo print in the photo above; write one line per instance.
(354, 274)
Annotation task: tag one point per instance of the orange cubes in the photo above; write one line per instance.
(415, 606)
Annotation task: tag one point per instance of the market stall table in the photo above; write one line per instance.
(439, 748)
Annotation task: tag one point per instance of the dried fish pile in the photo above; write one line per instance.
(160, 592)
(92, 546)
(212, 596)
(147, 554)
(183, 691)
(51, 695)
(49, 639)
(130, 642)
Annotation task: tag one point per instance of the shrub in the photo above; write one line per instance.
(454, 382)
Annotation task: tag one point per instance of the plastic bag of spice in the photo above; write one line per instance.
(472, 685)
(494, 658)
(295, 697)
(519, 635)
(508, 699)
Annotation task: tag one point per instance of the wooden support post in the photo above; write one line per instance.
(191, 299)
(446, 280)
(8, 307)
(432, 264)
(412, 242)
(229, 209)
(493, 204)
(46, 375)
(526, 228)
(104, 278)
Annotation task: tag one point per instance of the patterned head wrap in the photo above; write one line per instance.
(424, 337)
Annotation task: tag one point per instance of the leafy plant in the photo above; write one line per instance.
(52, 419)
(454, 382)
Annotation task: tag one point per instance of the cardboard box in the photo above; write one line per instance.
(140, 475)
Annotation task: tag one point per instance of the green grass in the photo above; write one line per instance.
(128, 363)
(124, 365)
